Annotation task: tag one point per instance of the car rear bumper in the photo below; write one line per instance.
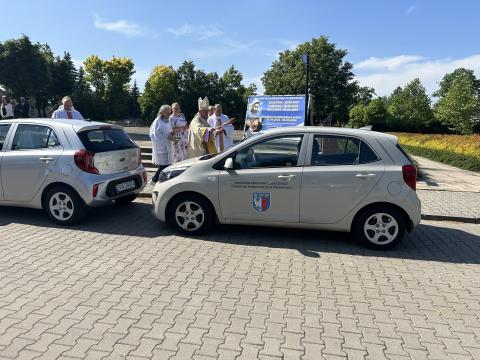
(106, 191)
(413, 208)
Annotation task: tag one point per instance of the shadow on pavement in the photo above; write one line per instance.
(444, 242)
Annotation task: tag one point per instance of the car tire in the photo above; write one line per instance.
(380, 227)
(125, 200)
(64, 206)
(190, 214)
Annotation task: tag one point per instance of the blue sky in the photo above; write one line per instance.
(389, 42)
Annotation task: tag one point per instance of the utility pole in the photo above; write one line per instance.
(306, 61)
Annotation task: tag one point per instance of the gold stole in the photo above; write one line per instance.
(209, 146)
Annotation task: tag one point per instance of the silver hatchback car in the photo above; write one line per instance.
(65, 166)
(310, 177)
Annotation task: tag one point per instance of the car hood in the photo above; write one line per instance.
(184, 163)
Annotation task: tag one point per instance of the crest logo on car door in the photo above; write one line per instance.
(261, 201)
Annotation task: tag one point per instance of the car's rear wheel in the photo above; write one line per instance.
(190, 214)
(380, 227)
(125, 200)
(64, 206)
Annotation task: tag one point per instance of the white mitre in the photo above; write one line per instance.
(203, 104)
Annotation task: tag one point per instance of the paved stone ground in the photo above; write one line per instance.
(451, 204)
(124, 286)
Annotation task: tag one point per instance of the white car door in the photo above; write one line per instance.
(264, 184)
(34, 151)
(341, 172)
(4, 129)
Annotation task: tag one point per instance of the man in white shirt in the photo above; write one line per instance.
(66, 110)
(224, 132)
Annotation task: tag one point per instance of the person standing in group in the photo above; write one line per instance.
(211, 110)
(22, 109)
(224, 128)
(180, 133)
(66, 110)
(200, 136)
(161, 134)
(6, 108)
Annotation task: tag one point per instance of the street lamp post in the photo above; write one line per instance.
(306, 61)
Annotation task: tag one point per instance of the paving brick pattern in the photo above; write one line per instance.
(450, 203)
(124, 286)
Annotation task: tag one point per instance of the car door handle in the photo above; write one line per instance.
(286, 177)
(46, 159)
(365, 176)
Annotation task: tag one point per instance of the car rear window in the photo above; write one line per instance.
(404, 153)
(103, 140)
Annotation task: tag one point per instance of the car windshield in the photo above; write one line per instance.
(105, 139)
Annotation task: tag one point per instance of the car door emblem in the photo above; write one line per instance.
(261, 201)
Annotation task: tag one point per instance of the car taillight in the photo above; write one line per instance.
(95, 190)
(84, 160)
(410, 176)
(144, 174)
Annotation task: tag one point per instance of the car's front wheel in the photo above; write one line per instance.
(380, 227)
(190, 214)
(64, 206)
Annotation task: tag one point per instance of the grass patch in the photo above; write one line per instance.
(462, 151)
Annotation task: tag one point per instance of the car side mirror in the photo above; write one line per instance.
(228, 164)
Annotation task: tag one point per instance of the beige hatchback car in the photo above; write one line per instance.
(337, 179)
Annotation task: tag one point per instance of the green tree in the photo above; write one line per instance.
(82, 95)
(357, 116)
(376, 114)
(63, 79)
(24, 70)
(459, 108)
(410, 108)
(233, 95)
(363, 95)
(448, 79)
(331, 79)
(118, 73)
(110, 80)
(160, 89)
(134, 105)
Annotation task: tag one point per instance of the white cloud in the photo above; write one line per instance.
(388, 63)
(411, 9)
(201, 31)
(384, 79)
(124, 27)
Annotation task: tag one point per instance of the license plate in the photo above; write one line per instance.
(125, 186)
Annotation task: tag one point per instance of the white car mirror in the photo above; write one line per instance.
(228, 164)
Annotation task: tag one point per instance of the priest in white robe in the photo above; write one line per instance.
(224, 129)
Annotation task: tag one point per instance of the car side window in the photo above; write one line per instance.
(3, 134)
(367, 155)
(335, 150)
(34, 137)
(274, 152)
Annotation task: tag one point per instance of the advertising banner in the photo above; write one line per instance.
(268, 112)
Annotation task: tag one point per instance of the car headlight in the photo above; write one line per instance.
(168, 174)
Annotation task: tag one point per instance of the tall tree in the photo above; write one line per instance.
(160, 89)
(82, 95)
(233, 97)
(331, 79)
(459, 108)
(63, 79)
(118, 73)
(110, 80)
(448, 79)
(134, 96)
(410, 108)
(24, 70)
